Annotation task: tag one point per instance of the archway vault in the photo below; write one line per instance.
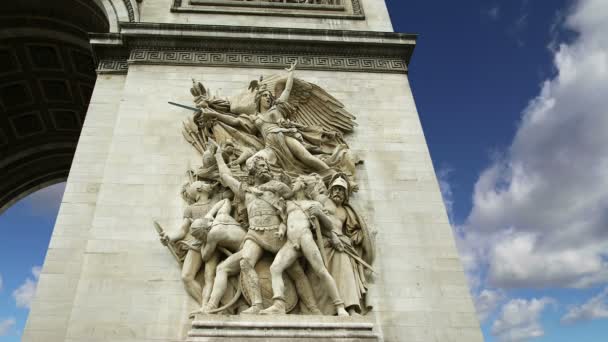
(47, 76)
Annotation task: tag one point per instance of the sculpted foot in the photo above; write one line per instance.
(353, 313)
(207, 308)
(193, 314)
(277, 308)
(253, 310)
(341, 311)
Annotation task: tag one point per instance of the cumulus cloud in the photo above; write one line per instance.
(446, 191)
(594, 308)
(519, 320)
(25, 293)
(540, 212)
(487, 301)
(6, 325)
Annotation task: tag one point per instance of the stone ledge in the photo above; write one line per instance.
(352, 12)
(280, 328)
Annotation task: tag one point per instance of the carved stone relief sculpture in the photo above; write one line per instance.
(268, 227)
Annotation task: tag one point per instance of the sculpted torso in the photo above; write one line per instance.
(262, 215)
(228, 236)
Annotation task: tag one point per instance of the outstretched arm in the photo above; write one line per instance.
(285, 94)
(217, 207)
(279, 188)
(225, 173)
(227, 119)
(165, 237)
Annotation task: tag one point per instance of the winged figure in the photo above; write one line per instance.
(295, 125)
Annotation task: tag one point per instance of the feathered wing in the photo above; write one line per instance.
(312, 105)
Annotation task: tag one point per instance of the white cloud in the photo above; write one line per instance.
(1, 282)
(540, 212)
(519, 320)
(6, 325)
(36, 271)
(594, 308)
(487, 302)
(446, 191)
(26, 292)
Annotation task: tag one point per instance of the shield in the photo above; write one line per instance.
(263, 270)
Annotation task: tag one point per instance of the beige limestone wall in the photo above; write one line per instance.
(376, 18)
(50, 312)
(120, 284)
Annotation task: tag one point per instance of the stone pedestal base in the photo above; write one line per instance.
(295, 328)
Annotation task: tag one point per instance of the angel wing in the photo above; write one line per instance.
(313, 105)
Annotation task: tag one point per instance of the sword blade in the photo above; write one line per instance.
(184, 106)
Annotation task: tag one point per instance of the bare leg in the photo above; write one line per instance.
(284, 258)
(304, 156)
(192, 263)
(251, 253)
(303, 287)
(312, 254)
(228, 267)
(210, 268)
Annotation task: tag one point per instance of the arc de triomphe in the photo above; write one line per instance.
(292, 190)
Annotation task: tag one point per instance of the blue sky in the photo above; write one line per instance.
(511, 95)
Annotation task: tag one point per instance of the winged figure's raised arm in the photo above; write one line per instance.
(286, 92)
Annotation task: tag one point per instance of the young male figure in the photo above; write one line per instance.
(300, 242)
(199, 197)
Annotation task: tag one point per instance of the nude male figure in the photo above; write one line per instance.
(300, 242)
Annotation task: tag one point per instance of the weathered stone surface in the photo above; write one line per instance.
(301, 328)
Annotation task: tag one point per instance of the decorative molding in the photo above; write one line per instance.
(253, 59)
(130, 9)
(248, 46)
(357, 8)
(113, 66)
(270, 5)
(271, 9)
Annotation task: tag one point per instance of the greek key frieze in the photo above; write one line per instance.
(274, 61)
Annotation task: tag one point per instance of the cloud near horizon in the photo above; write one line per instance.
(25, 293)
(6, 325)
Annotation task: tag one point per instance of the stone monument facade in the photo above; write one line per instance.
(274, 149)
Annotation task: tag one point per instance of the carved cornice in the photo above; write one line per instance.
(113, 66)
(355, 12)
(238, 46)
(263, 60)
